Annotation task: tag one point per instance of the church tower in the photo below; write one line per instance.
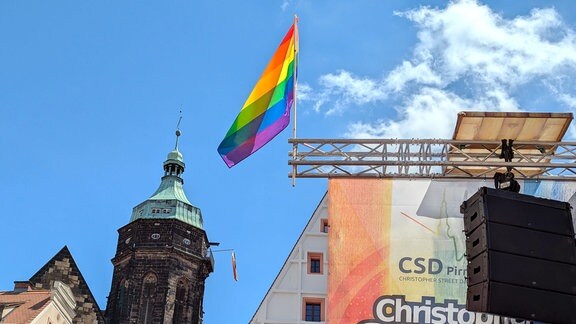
(162, 258)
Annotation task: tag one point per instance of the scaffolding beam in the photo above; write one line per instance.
(429, 158)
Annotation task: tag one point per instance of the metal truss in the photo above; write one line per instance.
(429, 158)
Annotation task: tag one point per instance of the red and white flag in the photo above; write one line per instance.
(234, 272)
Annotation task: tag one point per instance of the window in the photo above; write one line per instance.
(180, 302)
(312, 312)
(324, 226)
(315, 263)
(121, 303)
(148, 298)
(313, 309)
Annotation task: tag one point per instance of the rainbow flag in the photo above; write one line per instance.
(266, 112)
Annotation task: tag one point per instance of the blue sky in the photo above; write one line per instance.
(90, 93)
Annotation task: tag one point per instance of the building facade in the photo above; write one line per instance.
(298, 294)
(394, 252)
(28, 305)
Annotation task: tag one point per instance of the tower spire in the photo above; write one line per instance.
(178, 133)
(170, 190)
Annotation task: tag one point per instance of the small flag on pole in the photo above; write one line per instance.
(266, 112)
(234, 272)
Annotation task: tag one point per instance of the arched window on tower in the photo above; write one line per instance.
(122, 303)
(181, 302)
(148, 297)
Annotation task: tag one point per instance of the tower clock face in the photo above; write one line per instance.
(155, 236)
(128, 240)
(186, 241)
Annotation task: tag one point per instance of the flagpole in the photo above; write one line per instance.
(295, 145)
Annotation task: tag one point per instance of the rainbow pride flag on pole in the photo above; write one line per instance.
(266, 112)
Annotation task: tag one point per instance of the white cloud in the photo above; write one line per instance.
(407, 72)
(430, 113)
(349, 89)
(467, 37)
(560, 87)
(284, 5)
(304, 92)
(467, 57)
(568, 100)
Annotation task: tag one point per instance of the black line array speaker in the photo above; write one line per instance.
(521, 256)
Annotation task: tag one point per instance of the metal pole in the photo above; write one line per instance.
(295, 145)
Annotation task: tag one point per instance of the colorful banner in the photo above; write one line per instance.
(396, 249)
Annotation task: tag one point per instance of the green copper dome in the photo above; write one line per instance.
(170, 201)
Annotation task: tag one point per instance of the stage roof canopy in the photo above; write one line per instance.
(519, 126)
(534, 134)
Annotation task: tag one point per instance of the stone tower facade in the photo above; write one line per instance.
(162, 259)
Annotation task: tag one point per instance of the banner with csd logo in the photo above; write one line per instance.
(396, 249)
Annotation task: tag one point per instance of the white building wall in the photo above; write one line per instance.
(60, 308)
(284, 301)
(50, 315)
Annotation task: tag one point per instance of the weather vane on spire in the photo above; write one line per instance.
(178, 132)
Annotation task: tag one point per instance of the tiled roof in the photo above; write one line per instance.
(28, 304)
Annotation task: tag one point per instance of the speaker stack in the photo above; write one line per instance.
(521, 256)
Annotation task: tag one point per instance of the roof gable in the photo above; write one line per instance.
(62, 267)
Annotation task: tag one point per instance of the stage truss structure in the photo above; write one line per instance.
(429, 158)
